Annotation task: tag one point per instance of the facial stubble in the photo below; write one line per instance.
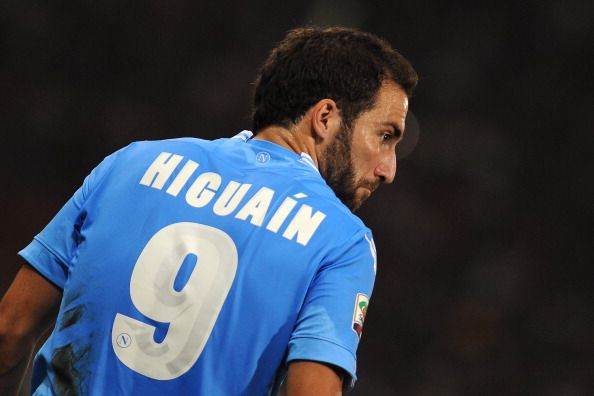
(338, 169)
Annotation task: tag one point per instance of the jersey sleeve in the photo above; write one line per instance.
(331, 320)
(52, 250)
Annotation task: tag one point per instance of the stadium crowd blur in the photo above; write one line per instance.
(485, 279)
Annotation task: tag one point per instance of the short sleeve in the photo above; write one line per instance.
(52, 250)
(331, 320)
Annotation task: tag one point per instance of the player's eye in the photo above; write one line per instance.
(386, 136)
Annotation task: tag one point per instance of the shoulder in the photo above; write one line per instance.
(341, 219)
(186, 147)
(340, 229)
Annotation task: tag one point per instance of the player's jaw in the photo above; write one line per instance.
(360, 191)
(363, 191)
(339, 173)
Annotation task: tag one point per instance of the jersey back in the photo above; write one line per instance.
(200, 266)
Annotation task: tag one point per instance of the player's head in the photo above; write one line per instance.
(359, 157)
(347, 66)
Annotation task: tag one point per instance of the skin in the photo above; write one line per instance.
(354, 170)
(305, 378)
(27, 309)
(349, 154)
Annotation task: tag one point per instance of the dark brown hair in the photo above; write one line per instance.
(312, 63)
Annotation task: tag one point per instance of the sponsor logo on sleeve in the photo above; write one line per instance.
(361, 304)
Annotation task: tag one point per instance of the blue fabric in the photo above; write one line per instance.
(302, 260)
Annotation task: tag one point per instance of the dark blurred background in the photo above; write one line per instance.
(485, 280)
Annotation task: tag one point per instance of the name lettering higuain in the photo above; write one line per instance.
(205, 190)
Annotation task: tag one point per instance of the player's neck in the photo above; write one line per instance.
(291, 139)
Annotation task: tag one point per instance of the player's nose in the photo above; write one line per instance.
(386, 169)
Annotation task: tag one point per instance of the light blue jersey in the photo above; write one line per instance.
(200, 267)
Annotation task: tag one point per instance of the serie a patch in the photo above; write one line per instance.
(361, 304)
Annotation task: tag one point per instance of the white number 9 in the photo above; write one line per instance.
(191, 312)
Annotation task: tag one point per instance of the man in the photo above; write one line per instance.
(225, 267)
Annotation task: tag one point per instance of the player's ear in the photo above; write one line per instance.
(325, 119)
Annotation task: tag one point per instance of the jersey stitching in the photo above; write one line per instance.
(50, 250)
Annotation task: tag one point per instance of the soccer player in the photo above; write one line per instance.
(225, 267)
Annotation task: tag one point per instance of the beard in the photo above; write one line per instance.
(338, 170)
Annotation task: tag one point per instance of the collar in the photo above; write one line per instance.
(246, 136)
